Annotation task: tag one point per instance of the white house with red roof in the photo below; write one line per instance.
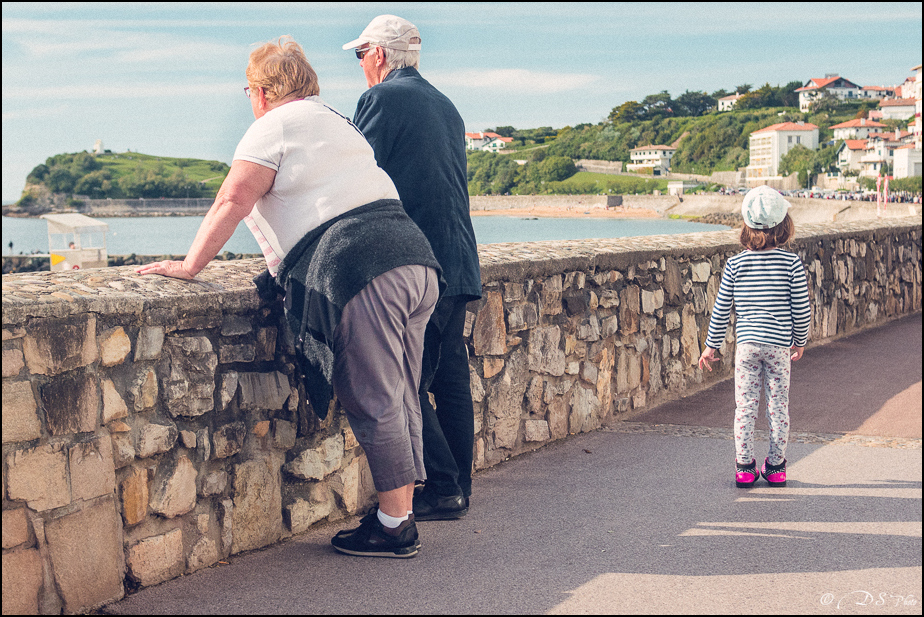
(726, 103)
(849, 154)
(769, 144)
(897, 109)
(487, 141)
(656, 158)
(840, 87)
(858, 128)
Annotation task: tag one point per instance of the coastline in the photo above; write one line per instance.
(574, 211)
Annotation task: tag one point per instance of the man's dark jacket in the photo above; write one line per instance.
(419, 140)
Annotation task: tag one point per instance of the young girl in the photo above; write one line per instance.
(768, 288)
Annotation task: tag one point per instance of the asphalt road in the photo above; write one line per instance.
(644, 517)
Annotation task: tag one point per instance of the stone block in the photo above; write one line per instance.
(12, 362)
(629, 308)
(257, 515)
(85, 550)
(144, 389)
(16, 528)
(317, 463)
(283, 434)
(39, 477)
(135, 496)
(114, 346)
(149, 343)
(70, 402)
(263, 390)
(92, 469)
(544, 353)
(489, 335)
(346, 483)
(550, 296)
(537, 430)
(22, 581)
(190, 381)
(689, 336)
(156, 438)
(700, 271)
(584, 407)
(232, 325)
(228, 440)
(114, 406)
(173, 491)
(301, 514)
(53, 346)
(493, 366)
(157, 559)
(240, 352)
(652, 300)
(203, 554)
(20, 417)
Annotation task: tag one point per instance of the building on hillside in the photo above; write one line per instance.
(844, 89)
(849, 154)
(858, 128)
(656, 158)
(916, 125)
(726, 103)
(897, 109)
(475, 141)
(906, 162)
(768, 145)
(880, 151)
(498, 143)
(877, 92)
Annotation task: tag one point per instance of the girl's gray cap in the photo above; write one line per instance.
(764, 208)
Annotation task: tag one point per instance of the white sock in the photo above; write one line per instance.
(390, 521)
(410, 512)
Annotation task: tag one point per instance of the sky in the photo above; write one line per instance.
(167, 78)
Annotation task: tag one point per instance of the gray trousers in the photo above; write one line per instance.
(378, 347)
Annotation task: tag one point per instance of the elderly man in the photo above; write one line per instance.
(419, 139)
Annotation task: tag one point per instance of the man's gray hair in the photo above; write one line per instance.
(395, 59)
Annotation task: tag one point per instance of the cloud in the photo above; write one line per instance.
(521, 81)
(121, 91)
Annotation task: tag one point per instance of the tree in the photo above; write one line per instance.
(504, 131)
(743, 88)
(556, 168)
(694, 103)
(659, 104)
(630, 111)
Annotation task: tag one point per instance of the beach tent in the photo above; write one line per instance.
(76, 241)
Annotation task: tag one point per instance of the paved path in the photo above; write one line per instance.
(644, 517)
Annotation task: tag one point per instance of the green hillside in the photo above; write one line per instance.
(126, 175)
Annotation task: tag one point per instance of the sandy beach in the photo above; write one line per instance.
(576, 211)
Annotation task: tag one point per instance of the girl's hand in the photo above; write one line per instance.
(174, 269)
(707, 357)
(797, 353)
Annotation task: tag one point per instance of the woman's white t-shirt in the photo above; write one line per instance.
(324, 168)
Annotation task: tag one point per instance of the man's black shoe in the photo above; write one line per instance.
(430, 507)
(372, 539)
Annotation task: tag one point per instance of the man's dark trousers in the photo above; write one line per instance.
(448, 431)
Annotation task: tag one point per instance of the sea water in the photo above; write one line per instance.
(173, 235)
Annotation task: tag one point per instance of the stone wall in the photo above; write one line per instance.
(152, 427)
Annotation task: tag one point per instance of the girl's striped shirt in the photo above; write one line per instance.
(770, 296)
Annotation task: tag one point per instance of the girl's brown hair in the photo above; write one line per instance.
(763, 239)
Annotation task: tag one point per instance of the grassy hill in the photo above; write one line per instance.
(126, 175)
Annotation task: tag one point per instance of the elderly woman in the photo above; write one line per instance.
(359, 278)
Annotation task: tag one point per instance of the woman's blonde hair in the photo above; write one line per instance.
(762, 239)
(282, 70)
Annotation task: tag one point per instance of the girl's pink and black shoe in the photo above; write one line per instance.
(746, 475)
(775, 475)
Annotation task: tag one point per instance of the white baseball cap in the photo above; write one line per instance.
(764, 208)
(390, 32)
